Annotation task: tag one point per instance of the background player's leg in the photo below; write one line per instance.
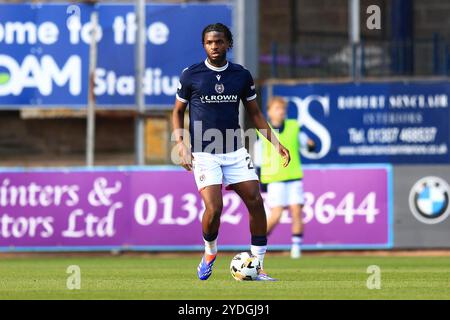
(297, 221)
(250, 194)
(274, 218)
(277, 198)
(297, 229)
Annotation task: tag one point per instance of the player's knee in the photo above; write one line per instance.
(215, 209)
(255, 200)
(212, 215)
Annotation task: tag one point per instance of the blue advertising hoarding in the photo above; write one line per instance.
(392, 122)
(44, 52)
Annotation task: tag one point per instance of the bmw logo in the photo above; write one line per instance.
(429, 200)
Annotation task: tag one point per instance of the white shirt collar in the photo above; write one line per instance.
(210, 66)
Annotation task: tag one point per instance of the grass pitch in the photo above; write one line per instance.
(156, 277)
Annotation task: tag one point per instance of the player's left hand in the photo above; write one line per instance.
(285, 155)
(311, 145)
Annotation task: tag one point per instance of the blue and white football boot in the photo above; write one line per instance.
(204, 269)
(262, 276)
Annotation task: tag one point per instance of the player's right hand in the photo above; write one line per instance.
(285, 155)
(185, 156)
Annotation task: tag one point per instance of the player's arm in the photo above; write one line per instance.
(178, 132)
(261, 124)
(306, 142)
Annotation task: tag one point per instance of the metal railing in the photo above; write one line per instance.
(315, 58)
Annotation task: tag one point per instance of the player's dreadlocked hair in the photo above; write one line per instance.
(218, 27)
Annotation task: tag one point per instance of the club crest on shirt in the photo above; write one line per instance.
(219, 88)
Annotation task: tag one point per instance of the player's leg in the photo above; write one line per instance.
(274, 218)
(296, 201)
(297, 230)
(277, 200)
(212, 198)
(251, 196)
(239, 175)
(208, 176)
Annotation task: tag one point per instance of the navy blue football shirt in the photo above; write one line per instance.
(213, 95)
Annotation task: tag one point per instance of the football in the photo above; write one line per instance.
(245, 266)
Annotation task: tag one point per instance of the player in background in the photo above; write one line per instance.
(213, 90)
(284, 184)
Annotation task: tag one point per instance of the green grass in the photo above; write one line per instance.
(154, 277)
